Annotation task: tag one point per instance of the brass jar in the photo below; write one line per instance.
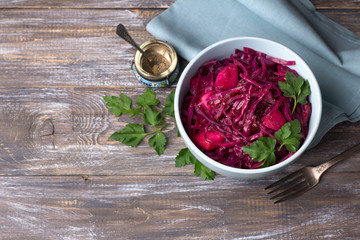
(161, 54)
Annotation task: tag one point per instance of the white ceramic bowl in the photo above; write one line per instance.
(223, 49)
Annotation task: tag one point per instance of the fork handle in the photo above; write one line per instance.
(342, 156)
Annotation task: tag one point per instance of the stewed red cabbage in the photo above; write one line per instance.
(234, 101)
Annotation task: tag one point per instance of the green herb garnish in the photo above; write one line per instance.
(148, 98)
(132, 134)
(169, 105)
(203, 171)
(263, 149)
(152, 116)
(296, 88)
(158, 142)
(185, 157)
(120, 105)
(289, 135)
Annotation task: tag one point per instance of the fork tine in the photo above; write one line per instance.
(294, 188)
(286, 185)
(294, 174)
(294, 195)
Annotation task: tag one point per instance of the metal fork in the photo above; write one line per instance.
(297, 183)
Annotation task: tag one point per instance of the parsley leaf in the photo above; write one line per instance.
(296, 88)
(203, 171)
(148, 98)
(113, 104)
(185, 157)
(158, 142)
(289, 135)
(131, 134)
(304, 92)
(169, 105)
(262, 150)
(152, 116)
(120, 105)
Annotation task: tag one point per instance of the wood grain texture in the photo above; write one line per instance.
(145, 207)
(65, 131)
(336, 4)
(320, 4)
(62, 177)
(118, 4)
(348, 18)
(88, 52)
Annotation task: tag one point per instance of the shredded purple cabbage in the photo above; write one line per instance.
(229, 104)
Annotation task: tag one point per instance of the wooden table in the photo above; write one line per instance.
(62, 177)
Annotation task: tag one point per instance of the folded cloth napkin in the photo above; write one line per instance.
(331, 51)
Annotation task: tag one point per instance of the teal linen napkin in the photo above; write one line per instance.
(331, 51)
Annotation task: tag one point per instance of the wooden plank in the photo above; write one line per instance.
(64, 131)
(39, 4)
(88, 52)
(63, 178)
(336, 4)
(345, 17)
(140, 4)
(146, 207)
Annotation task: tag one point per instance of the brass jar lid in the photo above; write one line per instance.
(162, 60)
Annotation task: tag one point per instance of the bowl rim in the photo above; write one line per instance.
(223, 167)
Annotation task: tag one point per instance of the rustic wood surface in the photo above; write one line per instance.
(63, 178)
